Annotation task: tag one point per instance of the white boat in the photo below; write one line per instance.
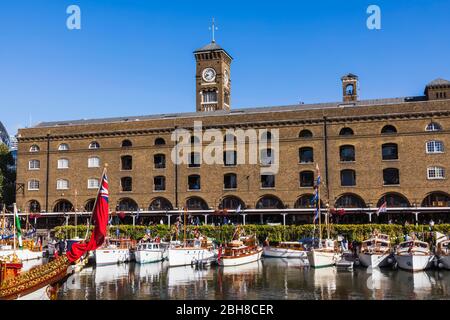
(443, 251)
(285, 249)
(414, 255)
(189, 252)
(324, 256)
(376, 251)
(147, 252)
(113, 251)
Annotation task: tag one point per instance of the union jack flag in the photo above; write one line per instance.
(382, 208)
(104, 193)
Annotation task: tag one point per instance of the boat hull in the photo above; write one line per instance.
(375, 260)
(320, 259)
(186, 256)
(274, 252)
(112, 256)
(149, 256)
(412, 262)
(236, 261)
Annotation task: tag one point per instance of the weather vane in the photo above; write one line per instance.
(213, 28)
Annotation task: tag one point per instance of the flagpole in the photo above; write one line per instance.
(96, 198)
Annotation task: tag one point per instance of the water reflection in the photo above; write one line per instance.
(266, 279)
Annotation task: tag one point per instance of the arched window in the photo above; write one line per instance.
(194, 182)
(388, 129)
(63, 206)
(346, 132)
(232, 203)
(33, 185)
(62, 184)
(230, 181)
(435, 146)
(196, 203)
(93, 183)
(63, 163)
(267, 181)
(435, 173)
(126, 143)
(160, 161)
(94, 145)
(160, 204)
(436, 199)
(63, 147)
(391, 176)
(389, 151)
(34, 165)
(267, 157)
(159, 183)
(306, 155)
(230, 158)
(35, 148)
(93, 162)
(159, 142)
(127, 204)
(347, 153)
(348, 178)
(349, 90)
(34, 206)
(393, 200)
(126, 184)
(305, 134)
(350, 201)
(194, 160)
(89, 206)
(269, 202)
(306, 179)
(126, 162)
(306, 201)
(433, 127)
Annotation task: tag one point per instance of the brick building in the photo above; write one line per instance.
(369, 152)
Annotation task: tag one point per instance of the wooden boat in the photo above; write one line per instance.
(325, 255)
(147, 252)
(114, 251)
(285, 249)
(414, 255)
(376, 251)
(443, 252)
(29, 250)
(240, 251)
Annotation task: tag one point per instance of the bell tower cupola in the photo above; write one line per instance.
(212, 77)
(350, 88)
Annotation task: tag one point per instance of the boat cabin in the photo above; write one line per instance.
(413, 246)
(292, 245)
(444, 248)
(149, 246)
(119, 243)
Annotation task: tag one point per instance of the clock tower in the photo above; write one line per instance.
(212, 78)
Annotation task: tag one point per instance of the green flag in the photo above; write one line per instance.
(18, 228)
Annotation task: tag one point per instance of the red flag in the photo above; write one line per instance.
(219, 255)
(100, 217)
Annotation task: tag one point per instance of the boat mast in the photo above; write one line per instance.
(76, 208)
(184, 225)
(14, 228)
(320, 214)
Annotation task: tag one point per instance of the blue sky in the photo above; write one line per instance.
(134, 57)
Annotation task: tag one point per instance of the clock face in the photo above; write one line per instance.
(226, 77)
(209, 74)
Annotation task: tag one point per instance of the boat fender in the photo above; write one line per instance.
(440, 265)
(390, 260)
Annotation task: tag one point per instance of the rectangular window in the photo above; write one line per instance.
(435, 147)
(230, 158)
(209, 97)
(93, 162)
(436, 173)
(160, 183)
(63, 163)
(33, 185)
(34, 165)
(93, 184)
(62, 184)
(194, 182)
(160, 161)
(229, 181)
(267, 181)
(194, 160)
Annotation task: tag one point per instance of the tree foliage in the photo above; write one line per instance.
(7, 175)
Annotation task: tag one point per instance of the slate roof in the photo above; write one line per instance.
(438, 82)
(213, 46)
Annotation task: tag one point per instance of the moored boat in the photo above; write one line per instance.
(114, 251)
(285, 249)
(240, 251)
(189, 251)
(376, 251)
(325, 255)
(443, 251)
(414, 255)
(147, 252)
